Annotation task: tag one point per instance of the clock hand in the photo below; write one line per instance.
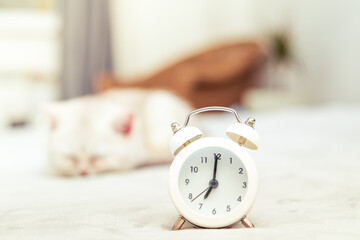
(200, 194)
(213, 182)
(208, 192)
(216, 157)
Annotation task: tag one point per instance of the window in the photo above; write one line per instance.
(29, 63)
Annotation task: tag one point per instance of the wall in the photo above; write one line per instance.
(151, 34)
(326, 37)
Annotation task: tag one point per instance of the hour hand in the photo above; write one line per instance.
(213, 184)
(208, 192)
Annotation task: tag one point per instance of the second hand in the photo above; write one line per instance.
(200, 194)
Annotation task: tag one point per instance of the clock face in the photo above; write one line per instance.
(213, 181)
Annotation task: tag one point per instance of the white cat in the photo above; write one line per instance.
(116, 130)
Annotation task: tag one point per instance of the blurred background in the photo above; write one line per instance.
(292, 64)
(287, 52)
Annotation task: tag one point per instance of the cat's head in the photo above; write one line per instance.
(89, 137)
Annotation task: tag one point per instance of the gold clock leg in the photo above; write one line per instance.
(179, 223)
(246, 222)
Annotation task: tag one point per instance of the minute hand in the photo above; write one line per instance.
(213, 183)
(215, 166)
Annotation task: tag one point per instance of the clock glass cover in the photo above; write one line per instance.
(213, 181)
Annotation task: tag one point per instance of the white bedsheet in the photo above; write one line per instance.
(309, 172)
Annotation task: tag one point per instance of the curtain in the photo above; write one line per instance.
(86, 45)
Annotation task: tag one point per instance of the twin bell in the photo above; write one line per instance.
(242, 133)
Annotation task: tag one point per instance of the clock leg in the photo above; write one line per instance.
(246, 222)
(179, 223)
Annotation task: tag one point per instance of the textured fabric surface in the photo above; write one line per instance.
(308, 164)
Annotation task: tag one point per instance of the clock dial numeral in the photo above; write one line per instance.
(228, 209)
(190, 196)
(197, 175)
(213, 211)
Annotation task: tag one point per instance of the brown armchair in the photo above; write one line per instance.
(219, 76)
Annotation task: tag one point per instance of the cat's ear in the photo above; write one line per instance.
(51, 112)
(123, 124)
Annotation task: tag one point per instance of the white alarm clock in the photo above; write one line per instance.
(213, 181)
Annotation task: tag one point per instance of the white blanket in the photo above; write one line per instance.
(309, 172)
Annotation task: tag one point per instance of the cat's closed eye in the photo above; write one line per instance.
(94, 159)
(73, 160)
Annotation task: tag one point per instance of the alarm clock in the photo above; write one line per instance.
(213, 181)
